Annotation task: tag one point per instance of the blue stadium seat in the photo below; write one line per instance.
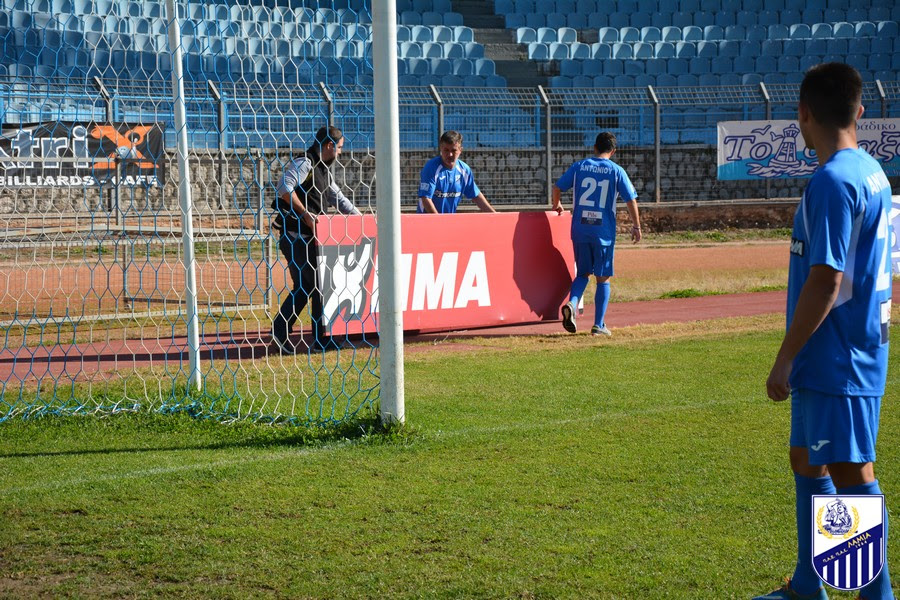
(538, 51)
(495, 81)
(721, 65)
(591, 67)
(836, 46)
(735, 33)
(613, 66)
(463, 67)
(570, 68)
(707, 49)
(432, 18)
(623, 81)
(622, 51)
(747, 19)
(880, 13)
(729, 48)
(643, 50)
(713, 33)
(418, 66)
(744, 64)
(603, 81)
(751, 79)
(664, 50)
(757, 33)
(515, 20)
(879, 62)
(582, 81)
(774, 78)
(795, 78)
(660, 19)
(881, 45)
(685, 50)
(682, 19)
(452, 81)
(463, 34)
(864, 29)
(704, 19)
(619, 19)
(677, 66)
(766, 64)
(768, 17)
(525, 35)
(601, 50)
(699, 65)
(725, 19)
(558, 51)
(644, 80)
(546, 35)
(597, 20)
(580, 51)
(556, 20)
(813, 15)
(708, 79)
(651, 34)
(790, 16)
(454, 50)
(833, 15)
(671, 34)
(474, 50)
(843, 30)
(857, 13)
(800, 31)
(794, 47)
(440, 66)
(888, 29)
(634, 67)
(688, 80)
(560, 81)
(655, 66)
(442, 33)
(567, 35)
(692, 33)
(536, 20)
(629, 34)
(608, 35)
(641, 19)
(577, 20)
(859, 46)
(779, 32)
(788, 64)
(666, 80)
(772, 48)
(420, 33)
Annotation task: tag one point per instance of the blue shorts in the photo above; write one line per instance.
(591, 258)
(835, 428)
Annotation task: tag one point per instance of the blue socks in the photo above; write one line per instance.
(579, 284)
(600, 303)
(805, 581)
(880, 588)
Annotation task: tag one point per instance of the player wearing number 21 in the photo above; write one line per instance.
(833, 359)
(596, 183)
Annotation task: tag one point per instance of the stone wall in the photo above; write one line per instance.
(511, 179)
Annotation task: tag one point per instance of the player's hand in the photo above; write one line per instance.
(777, 386)
(635, 234)
(310, 219)
(558, 209)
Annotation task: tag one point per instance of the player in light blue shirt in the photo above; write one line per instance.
(833, 360)
(446, 179)
(597, 182)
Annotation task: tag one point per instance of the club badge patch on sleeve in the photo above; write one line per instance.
(848, 539)
(797, 246)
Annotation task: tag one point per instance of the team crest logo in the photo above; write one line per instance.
(343, 273)
(848, 539)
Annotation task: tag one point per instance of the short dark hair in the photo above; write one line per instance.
(832, 92)
(605, 142)
(327, 134)
(451, 137)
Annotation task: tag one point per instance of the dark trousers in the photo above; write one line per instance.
(302, 256)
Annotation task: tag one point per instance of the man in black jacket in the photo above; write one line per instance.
(306, 188)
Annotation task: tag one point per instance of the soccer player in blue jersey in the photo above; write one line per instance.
(833, 360)
(597, 182)
(446, 179)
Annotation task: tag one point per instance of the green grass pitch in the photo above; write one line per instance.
(640, 467)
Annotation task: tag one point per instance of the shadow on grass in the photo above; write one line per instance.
(49, 436)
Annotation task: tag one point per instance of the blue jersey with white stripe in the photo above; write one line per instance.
(596, 182)
(843, 221)
(446, 187)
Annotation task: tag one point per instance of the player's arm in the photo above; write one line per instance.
(634, 213)
(483, 204)
(287, 190)
(816, 299)
(342, 203)
(427, 205)
(556, 204)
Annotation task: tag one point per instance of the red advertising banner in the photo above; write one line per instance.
(458, 271)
